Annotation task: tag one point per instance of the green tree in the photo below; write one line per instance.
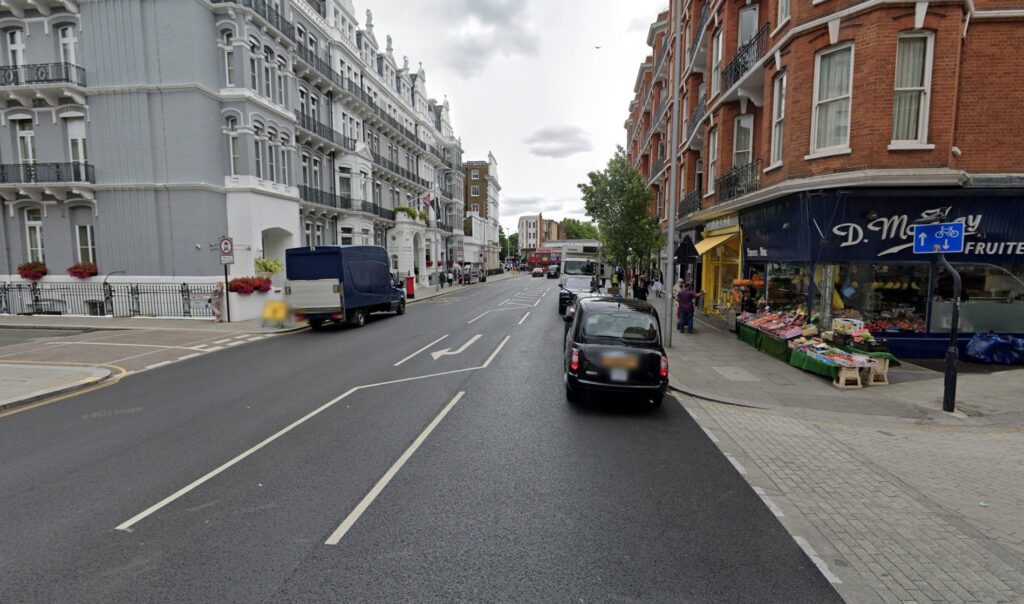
(619, 202)
(502, 243)
(577, 229)
(513, 245)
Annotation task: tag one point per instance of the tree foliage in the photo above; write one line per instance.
(513, 245)
(502, 243)
(577, 229)
(619, 202)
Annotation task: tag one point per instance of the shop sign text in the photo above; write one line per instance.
(899, 229)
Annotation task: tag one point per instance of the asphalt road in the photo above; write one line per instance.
(310, 467)
(9, 337)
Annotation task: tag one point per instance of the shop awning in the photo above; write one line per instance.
(706, 245)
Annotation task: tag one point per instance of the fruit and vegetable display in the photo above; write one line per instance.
(782, 325)
(825, 353)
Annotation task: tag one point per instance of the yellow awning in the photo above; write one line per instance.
(706, 245)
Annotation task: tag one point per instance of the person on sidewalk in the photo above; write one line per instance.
(685, 299)
(216, 301)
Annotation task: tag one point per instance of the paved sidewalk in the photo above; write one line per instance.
(895, 500)
(22, 384)
(713, 364)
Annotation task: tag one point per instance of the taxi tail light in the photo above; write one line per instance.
(574, 360)
(663, 372)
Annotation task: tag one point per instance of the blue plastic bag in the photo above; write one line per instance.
(993, 348)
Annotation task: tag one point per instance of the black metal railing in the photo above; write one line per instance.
(319, 6)
(47, 172)
(107, 299)
(318, 196)
(372, 208)
(398, 170)
(661, 56)
(698, 114)
(689, 204)
(738, 181)
(698, 33)
(382, 114)
(447, 228)
(321, 65)
(307, 122)
(746, 57)
(268, 12)
(660, 112)
(42, 73)
(657, 167)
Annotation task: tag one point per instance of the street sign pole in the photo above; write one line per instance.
(952, 353)
(227, 298)
(940, 239)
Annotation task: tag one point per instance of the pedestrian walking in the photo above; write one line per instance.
(216, 301)
(685, 299)
(451, 278)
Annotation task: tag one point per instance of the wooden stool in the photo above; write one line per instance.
(878, 375)
(848, 378)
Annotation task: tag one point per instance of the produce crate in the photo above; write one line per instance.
(875, 346)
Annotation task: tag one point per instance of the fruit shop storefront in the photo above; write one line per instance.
(849, 254)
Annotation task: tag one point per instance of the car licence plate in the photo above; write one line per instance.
(618, 375)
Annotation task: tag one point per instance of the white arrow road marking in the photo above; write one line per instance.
(421, 350)
(448, 352)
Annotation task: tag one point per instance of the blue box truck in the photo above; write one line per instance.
(340, 283)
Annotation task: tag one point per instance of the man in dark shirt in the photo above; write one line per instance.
(686, 298)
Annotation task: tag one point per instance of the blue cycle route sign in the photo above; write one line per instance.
(942, 238)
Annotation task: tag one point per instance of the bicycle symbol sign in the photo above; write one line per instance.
(942, 238)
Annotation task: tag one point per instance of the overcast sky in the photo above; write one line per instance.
(525, 82)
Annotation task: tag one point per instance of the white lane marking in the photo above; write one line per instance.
(155, 365)
(448, 352)
(505, 302)
(235, 343)
(487, 363)
(362, 506)
(222, 341)
(538, 300)
(736, 464)
(813, 555)
(214, 348)
(480, 316)
(190, 356)
(420, 350)
(524, 317)
(127, 524)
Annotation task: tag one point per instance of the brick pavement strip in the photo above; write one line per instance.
(894, 514)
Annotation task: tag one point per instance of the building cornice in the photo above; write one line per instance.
(933, 177)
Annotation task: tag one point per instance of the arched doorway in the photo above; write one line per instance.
(275, 241)
(417, 253)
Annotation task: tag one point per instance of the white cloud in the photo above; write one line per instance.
(558, 141)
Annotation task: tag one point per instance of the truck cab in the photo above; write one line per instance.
(340, 284)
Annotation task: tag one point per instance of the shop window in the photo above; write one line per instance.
(991, 299)
(889, 298)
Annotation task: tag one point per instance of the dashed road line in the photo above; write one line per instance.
(421, 350)
(524, 317)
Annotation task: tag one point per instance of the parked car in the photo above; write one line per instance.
(572, 287)
(553, 271)
(614, 346)
(537, 272)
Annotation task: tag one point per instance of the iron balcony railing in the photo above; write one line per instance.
(72, 172)
(689, 204)
(661, 56)
(659, 164)
(321, 65)
(660, 113)
(42, 73)
(746, 57)
(319, 6)
(447, 228)
(398, 170)
(309, 123)
(697, 116)
(367, 100)
(738, 181)
(269, 14)
(324, 198)
(698, 33)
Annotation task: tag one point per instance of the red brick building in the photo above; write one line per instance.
(813, 134)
